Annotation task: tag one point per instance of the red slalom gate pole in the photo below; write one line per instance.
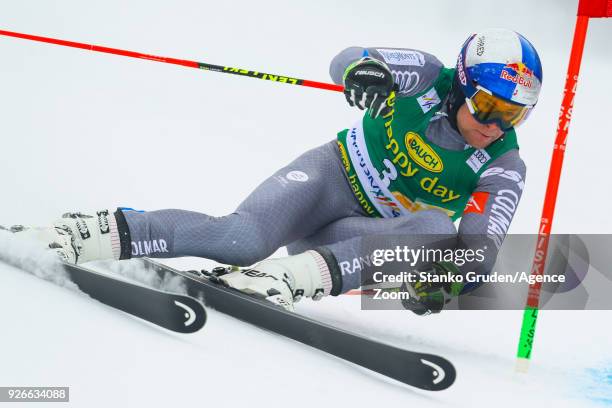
(530, 313)
(186, 63)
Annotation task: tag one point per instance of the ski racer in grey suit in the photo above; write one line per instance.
(379, 185)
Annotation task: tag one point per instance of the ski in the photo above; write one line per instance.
(421, 370)
(171, 311)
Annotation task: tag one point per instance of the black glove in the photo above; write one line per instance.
(428, 297)
(368, 83)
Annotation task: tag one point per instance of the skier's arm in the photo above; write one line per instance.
(490, 211)
(413, 71)
(483, 228)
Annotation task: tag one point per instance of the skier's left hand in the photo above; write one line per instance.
(428, 297)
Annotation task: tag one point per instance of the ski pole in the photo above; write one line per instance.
(186, 63)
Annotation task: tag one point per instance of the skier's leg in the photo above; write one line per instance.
(429, 222)
(353, 239)
(336, 259)
(296, 201)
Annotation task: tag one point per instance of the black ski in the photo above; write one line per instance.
(421, 370)
(171, 311)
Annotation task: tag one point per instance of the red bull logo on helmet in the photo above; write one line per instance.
(520, 68)
(522, 74)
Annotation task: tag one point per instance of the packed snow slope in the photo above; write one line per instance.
(57, 337)
(83, 131)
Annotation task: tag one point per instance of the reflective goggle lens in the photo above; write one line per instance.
(487, 108)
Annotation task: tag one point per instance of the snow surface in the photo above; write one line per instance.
(83, 131)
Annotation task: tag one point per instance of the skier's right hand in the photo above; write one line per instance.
(76, 237)
(432, 295)
(368, 84)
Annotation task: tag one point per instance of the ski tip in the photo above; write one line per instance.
(522, 365)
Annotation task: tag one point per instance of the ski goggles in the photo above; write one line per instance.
(487, 108)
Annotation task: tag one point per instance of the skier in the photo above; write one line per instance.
(435, 144)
